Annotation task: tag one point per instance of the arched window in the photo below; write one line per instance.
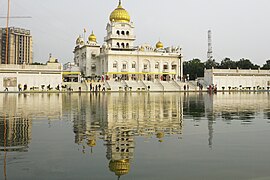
(127, 33)
(156, 65)
(165, 66)
(93, 67)
(174, 66)
(127, 45)
(118, 44)
(123, 32)
(118, 32)
(145, 66)
(123, 45)
(124, 65)
(115, 64)
(133, 64)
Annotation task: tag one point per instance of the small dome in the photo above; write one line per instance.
(160, 135)
(92, 37)
(79, 41)
(159, 45)
(119, 14)
(120, 167)
(91, 143)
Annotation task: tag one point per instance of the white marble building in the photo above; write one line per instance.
(30, 77)
(238, 79)
(119, 58)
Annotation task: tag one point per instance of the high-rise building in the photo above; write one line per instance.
(20, 48)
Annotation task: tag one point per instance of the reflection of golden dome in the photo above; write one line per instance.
(91, 142)
(92, 37)
(119, 14)
(159, 45)
(120, 167)
(160, 135)
(79, 41)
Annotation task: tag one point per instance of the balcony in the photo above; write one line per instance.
(125, 37)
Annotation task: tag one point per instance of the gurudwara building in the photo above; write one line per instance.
(120, 59)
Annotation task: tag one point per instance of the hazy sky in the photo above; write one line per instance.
(240, 28)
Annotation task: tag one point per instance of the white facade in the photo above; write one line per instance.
(237, 79)
(119, 58)
(33, 76)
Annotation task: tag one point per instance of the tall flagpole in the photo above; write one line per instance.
(84, 31)
(7, 39)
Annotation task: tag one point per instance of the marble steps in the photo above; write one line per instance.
(170, 86)
(135, 85)
(114, 85)
(154, 86)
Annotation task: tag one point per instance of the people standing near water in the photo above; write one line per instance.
(91, 86)
(99, 87)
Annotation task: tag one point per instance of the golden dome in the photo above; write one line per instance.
(159, 45)
(91, 143)
(119, 167)
(119, 14)
(92, 37)
(160, 135)
(79, 41)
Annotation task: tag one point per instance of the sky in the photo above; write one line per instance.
(240, 28)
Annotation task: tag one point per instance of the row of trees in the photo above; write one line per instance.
(195, 68)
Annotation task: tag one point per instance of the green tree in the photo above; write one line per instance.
(195, 68)
(266, 65)
(227, 63)
(246, 64)
(209, 64)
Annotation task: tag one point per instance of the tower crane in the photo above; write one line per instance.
(7, 24)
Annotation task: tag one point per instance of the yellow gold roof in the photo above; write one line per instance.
(92, 37)
(159, 45)
(160, 135)
(91, 143)
(120, 167)
(119, 14)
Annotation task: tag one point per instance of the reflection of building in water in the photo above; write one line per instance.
(86, 111)
(120, 149)
(19, 110)
(194, 105)
(237, 106)
(119, 118)
(234, 106)
(147, 113)
(17, 134)
(32, 105)
(131, 115)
